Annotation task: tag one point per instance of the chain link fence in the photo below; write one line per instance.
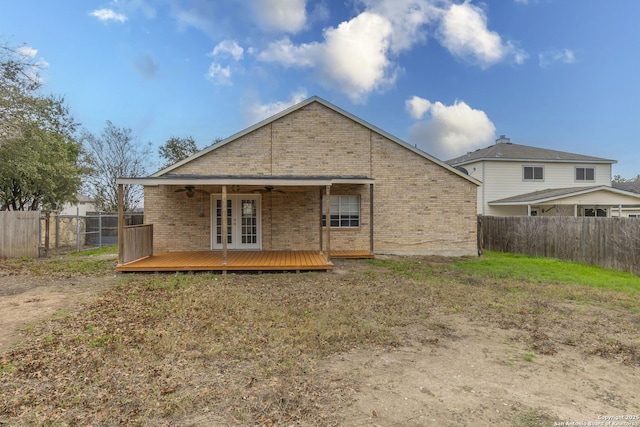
(80, 232)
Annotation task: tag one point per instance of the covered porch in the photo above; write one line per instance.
(595, 201)
(304, 244)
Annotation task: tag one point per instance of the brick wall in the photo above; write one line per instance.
(420, 207)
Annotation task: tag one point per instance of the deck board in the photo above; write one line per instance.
(238, 261)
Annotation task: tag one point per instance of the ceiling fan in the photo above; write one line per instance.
(267, 189)
(191, 190)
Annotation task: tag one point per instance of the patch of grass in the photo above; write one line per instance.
(91, 262)
(533, 419)
(529, 357)
(497, 265)
(6, 368)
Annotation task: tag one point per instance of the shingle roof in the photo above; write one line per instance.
(507, 151)
(633, 186)
(555, 194)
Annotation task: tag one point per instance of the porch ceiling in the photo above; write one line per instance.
(280, 180)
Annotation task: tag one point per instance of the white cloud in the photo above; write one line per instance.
(27, 52)
(417, 107)
(281, 15)
(106, 15)
(355, 56)
(563, 56)
(257, 111)
(352, 57)
(200, 15)
(409, 19)
(285, 53)
(228, 47)
(219, 74)
(451, 130)
(463, 31)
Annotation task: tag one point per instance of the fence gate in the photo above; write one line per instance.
(19, 234)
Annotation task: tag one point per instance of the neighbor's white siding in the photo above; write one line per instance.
(502, 179)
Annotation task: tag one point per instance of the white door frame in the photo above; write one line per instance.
(235, 222)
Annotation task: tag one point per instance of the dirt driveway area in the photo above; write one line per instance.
(464, 371)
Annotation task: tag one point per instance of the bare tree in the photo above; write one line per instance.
(114, 154)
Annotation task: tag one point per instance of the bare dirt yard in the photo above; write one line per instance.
(396, 342)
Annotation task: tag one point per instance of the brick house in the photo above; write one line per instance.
(385, 196)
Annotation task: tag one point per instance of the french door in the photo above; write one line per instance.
(243, 221)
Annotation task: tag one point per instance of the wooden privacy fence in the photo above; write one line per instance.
(19, 234)
(608, 242)
(137, 243)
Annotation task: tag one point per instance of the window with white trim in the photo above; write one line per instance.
(533, 173)
(585, 174)
(345, 211)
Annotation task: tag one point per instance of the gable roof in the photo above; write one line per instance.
(331, 107)
(508, 151)
(552, 194)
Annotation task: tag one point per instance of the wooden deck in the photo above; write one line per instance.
(238, 261)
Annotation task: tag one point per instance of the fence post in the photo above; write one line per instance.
(100, 229)
(480, 238)
(77, 229)
(57, 244)
(47, 229)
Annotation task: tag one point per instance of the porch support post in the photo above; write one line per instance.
(620, 211)
(528, 210)
(224, 225)
(328, 227)
(120, 223)
(371, 218)
(575, 211)
(320, 220)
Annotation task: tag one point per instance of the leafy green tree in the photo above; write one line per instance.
(38, 153)
(38, 170)
(113, 154)
(176, 149)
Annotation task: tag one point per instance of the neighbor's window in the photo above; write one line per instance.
(595, 212)
(345, 212)
(634, 216)
(585, 174)
(533, 173)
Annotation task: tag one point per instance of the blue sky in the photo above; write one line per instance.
(449, 76)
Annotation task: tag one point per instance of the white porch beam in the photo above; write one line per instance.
(225, 220)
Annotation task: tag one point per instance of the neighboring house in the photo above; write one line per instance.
(83, 206)
(385, 195)
(633, 187)
(524, 180)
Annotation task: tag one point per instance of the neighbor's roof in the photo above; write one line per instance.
(555, 194)
(330, 106)
(633, 186)
(507, 151)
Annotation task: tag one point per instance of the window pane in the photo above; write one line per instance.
(528, 172)
(537, 173)
(345, 211)
(590, 174)
(579, 174)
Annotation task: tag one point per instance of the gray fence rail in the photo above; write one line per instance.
(607, 242)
